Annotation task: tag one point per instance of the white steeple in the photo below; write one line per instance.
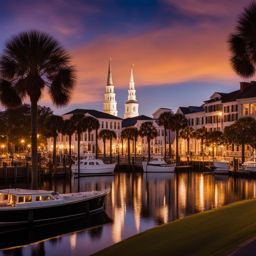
(131, 105)
(110, 105)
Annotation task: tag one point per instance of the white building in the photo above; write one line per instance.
(131, 105)
(220, 111)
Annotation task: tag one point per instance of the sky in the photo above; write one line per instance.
(179, 48)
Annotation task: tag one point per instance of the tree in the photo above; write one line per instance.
(164, 120)
(54, 125)
(201, 135)
(104, 135)
(30, 62)
(177, 122)
(93, 124)
(214, 139)
(242, 132)
(69, 129)
(187, 133)
(81, 125)
(149, 131)
(129, 134)
(242, 43)
(112, 135)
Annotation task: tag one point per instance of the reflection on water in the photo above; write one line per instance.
(137, 202)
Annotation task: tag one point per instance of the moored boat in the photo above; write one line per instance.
(89, 166)
(249, 166)
(220, 167)
(158, 165)
(22, 206)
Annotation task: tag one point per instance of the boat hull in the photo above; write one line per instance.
(85, 171)
(51, 213)
(155, 168)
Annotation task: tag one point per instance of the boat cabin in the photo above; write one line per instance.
(16, 197)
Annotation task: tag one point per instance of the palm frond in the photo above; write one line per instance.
(8, 95)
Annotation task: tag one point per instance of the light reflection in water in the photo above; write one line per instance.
(138, 202)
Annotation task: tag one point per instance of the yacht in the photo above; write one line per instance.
(250, 165)
(220, 167)
(90, 165)
(23, 206)
(158, 165)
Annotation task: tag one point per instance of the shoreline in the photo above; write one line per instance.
(215, 232)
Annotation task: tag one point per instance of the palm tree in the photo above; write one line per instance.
(80, 123)
(30, 62)
(164, 120)
(135, 132)
(214, 139)
(104, 135)
(129, 134)
(242, 132)
(112, 135)
(69, 129)
(54, 125)
(149, 131)
(177, 123)
(201, 135)
(242, 43)
(187, 133)
(93, 124)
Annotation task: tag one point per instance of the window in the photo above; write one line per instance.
(85, 163)
(28, 199)
(21, 199)
(106, 125)
(97, 163)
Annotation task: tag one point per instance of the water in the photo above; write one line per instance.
(137, 202)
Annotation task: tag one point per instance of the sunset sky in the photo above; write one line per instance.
(178, 47)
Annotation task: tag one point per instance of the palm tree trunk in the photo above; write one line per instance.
(165, 133)
(177, 147)
(69, 148)
(110, 144)
(122, 142)
(104, 149)
(149, 155)
(170, 147)
(135, 149)
(243, 149)
(96, 144)
(188, 149)
(129, 152)
(54, 154)
(34, 176)
(78, 151)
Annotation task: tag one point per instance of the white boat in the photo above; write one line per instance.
(90, 165)
(158, 165)
(23, 206)
(220, 167)
(249, 166)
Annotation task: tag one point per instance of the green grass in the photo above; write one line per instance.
(214, 232)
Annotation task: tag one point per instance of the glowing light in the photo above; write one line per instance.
(22, 141)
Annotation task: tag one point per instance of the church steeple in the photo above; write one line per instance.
(131, 105)
(110, 80)
(110, 105)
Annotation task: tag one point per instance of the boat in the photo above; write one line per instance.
(158, 165)
(250, 165)
(90, 165)
(220, 167)
(23, 206)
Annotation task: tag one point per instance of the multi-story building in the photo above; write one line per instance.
(220, 111)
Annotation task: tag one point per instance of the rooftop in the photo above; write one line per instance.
(191, 109)
(92, 112)
(133, 120)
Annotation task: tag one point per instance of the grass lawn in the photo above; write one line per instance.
(214, 232)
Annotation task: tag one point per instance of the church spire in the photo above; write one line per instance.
(131, 84)
(110, 104)
(131, 105)
(109, 81)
